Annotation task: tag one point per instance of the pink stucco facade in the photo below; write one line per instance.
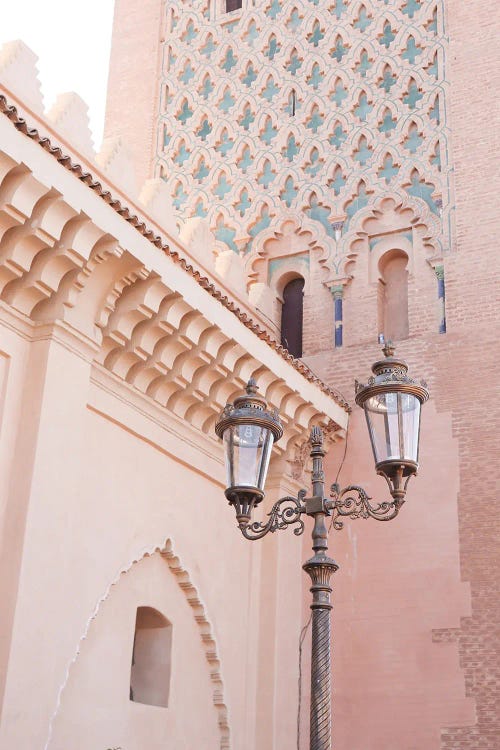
(138, 294)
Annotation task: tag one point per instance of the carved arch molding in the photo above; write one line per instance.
(205, 630)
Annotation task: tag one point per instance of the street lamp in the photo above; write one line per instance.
(391, 401)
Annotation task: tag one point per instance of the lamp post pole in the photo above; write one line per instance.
(320, 567)
(391, 401)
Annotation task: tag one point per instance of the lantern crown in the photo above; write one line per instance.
(249, 408)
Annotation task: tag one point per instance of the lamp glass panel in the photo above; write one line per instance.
(247, 452)
(394, 422)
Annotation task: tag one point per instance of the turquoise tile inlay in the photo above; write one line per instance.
(339, 93)
(179, 197)
(267, 175)
(207, 87)
(204, 130)
(364, 64)
(388, 80)
(432, 26)
(269, 133)
(225, 145)
(244, 203)
(363, 20)
(363, 109)
(388, 123)
(225, 234)
(388, 170)
(414, 140)
(223, 187)
(388, 36)
(434, 112)
(208, 47)
(245, 161)
(316, 34)
(289, 192)
(413, 96)
(338, 8)
(339, 50)
(190, 33)
(229, 61)
(248, 117)
(424, 190)
(338, 137)
(227, 101)
(250, 75)
(202, 170)
(295, 20)
(252, 32)
(294, 64)
(315, 163)
(317, 212)
(272, 48)
(182, 154)
(436, 157)
(185, 112)
(356, 204)
(316, 77)
(166, 137)
(433, 69)
(262, 223)
(411, 7)
(315, 120)
(412, 51)
(363, 153)
(292, 148)
(187, 74)
(199, 209)
(338, 181)
(274, 9)
(270, 89)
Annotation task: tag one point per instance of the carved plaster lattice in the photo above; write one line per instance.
(207, 637)
(312, 108)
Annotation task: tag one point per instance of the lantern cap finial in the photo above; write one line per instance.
(390, 374)
(250, 408)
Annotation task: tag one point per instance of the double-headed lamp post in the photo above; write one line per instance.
(391, 401)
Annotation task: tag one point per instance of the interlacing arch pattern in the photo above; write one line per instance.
(311, 108)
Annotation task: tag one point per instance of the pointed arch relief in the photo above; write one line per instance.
(394, 213)
(100, 632)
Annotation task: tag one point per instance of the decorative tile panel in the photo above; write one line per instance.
(314, 109)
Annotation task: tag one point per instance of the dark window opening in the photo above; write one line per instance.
(233, 5)
(293, 102)
(292, 315)
(151, 658)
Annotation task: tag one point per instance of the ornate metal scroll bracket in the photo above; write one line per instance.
(353, 502)
(287, 511)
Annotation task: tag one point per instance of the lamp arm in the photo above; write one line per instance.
(285, 512)
(353, 502)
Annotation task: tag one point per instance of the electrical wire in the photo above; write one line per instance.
(301, 642)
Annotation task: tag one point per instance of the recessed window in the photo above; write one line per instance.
(151, 658)
(233, 5)
(292, 316)
(393, 295)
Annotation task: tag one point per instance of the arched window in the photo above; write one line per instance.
(292, 315)
(151, 658)
(393, 296)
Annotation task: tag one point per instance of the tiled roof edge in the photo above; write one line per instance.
(20, 124)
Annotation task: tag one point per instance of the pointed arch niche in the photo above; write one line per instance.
(280, 270)
(391, 250)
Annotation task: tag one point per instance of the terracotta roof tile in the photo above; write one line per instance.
(20, 124)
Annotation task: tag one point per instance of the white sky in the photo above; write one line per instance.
(72, 41)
